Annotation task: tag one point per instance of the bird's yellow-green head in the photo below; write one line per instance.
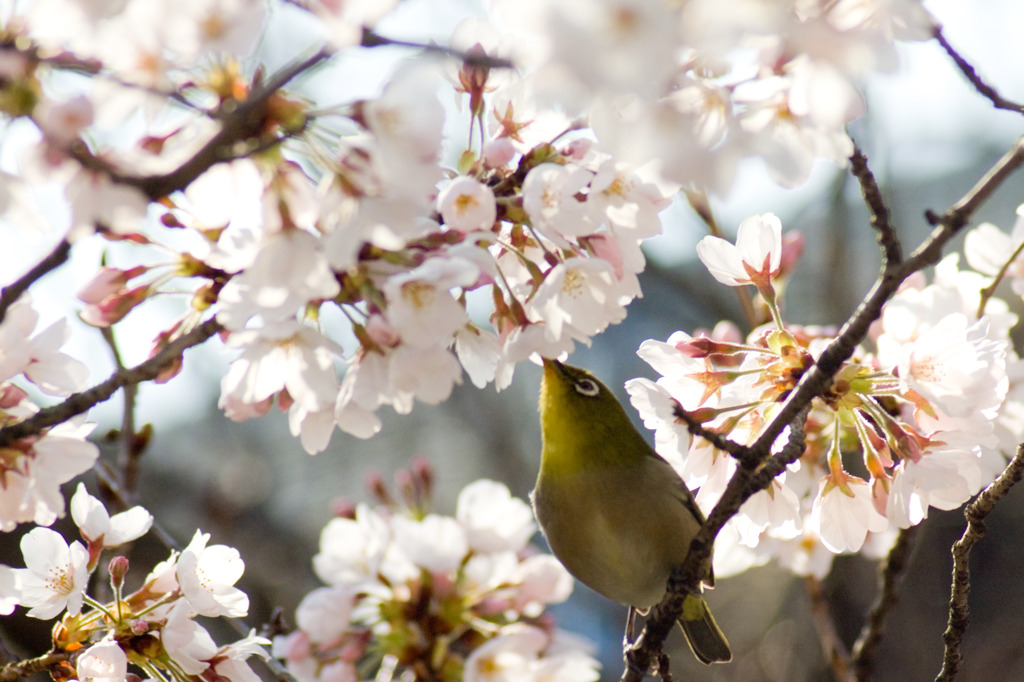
(582, 423)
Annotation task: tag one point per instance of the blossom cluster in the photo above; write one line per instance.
(152, 628)
(703, 84)
(921, 417)
(426, 596)
(351, 264)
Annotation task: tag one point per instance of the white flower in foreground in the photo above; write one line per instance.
(104, 661)
(845, 513)
(55, 576)
(289, 271)
(98, 527)
(466, 204)
(230, 662)
(958, 368)
(283, 355)
(494, 520)
(523, 652)
(658, 410)
(420, 305)
(755, 257)
(351, 550)
(582, 294)
(39, 358)
(509, 656)
(325, 612)
(436, 543)
(944, 476)
(550, 194)
(31, 490)
(207, 576)
(187, 642)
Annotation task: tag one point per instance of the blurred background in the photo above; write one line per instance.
(928, 137)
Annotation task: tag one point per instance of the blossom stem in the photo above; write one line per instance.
(101, 608)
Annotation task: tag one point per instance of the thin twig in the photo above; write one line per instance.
(980, 85)
(51, 261)
(892, 250)
(890, 576)
(78, 403)
(243, 122)
(959, 609)
(373, 39)
(13, 671)
(831, 646)
(130, 450)
(988, 292)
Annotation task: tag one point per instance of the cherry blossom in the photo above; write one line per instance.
(55, 576)
(494, 520)
(207, 576)
(104, 661)
(467, 205)
(754, 259)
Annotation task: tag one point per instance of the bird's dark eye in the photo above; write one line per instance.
(586, 387)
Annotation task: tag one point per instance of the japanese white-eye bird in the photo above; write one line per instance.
(613, 511)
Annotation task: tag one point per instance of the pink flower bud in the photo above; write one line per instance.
(11, 395)
(498, 153)
(381, 332)
(118, 567)
(577, 149)
(114, 308)
(792, 249)
(105, 283)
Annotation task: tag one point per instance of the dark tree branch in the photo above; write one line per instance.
(13, 671)
(980, 85)
(959, 609)
(374, 39)
(892, 250)
(242, 122)
(890, 576)
(78, 403)
(52, 261)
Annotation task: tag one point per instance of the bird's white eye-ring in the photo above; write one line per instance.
(586, 387)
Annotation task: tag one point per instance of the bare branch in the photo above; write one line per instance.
(242, 122)
(52, 261)
(78, 403)
(959, 609)
(892, 251)
(980, 85)
(373, 39)
(13, 671)
(890, 576)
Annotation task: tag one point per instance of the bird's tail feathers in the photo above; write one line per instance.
(705, 638)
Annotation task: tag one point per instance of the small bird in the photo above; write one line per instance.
(614, 512)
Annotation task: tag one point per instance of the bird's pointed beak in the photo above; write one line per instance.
(552, 369)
